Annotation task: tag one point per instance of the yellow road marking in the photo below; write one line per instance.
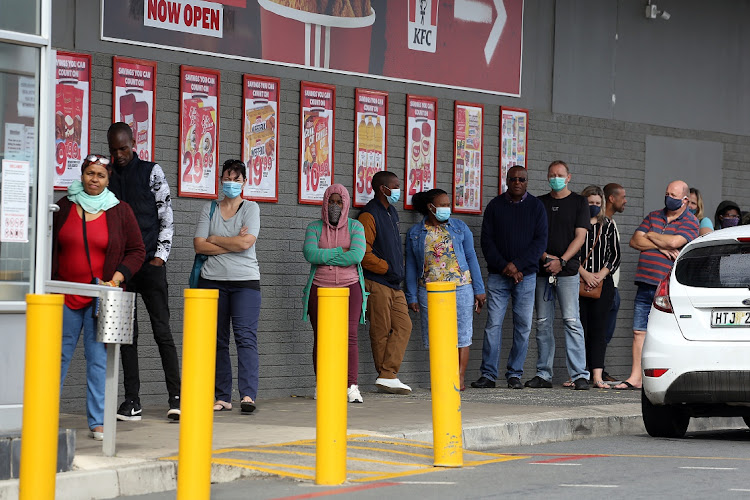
(397, 452)
(396, 474)
(264, 469)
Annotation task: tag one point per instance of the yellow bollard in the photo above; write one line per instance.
(41, 415)
(196, 400)
(444, 377)
(333, 327)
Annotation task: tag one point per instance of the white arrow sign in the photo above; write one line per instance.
(476, 11)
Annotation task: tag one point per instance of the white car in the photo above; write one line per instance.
(696, 356)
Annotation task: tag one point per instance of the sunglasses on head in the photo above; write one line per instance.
(517, 179)
(92, 158)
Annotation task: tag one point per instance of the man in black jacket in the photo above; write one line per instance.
(143, 186)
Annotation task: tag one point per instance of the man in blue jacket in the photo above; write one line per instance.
(514, 236)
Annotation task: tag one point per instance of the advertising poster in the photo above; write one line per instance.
(14, 209)
(514, 129)
(465, 44)
(260, 136)
(199, 132)
(421, 127)
(133, 101)
(468, 136)
(72, 116)
(317, 103)
(370, 141)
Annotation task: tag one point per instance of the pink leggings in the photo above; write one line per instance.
(355, 311)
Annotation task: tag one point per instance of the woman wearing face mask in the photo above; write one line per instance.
(441, 248)
(727, 214)
(228, 237)
(334, 246)
(695, 205)
(108, 245)
(600, 257)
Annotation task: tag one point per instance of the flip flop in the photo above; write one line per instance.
(568, 384)
(247, 406)
(220, 405)
(600, 384)
(628, 387)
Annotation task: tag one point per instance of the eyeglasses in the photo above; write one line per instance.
(517, 179)
(92, 158)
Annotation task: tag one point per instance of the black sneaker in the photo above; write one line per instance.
(581, 384)
(515, 383)
(538, 383)
(483, 383)
(130, 410)
(174, 408)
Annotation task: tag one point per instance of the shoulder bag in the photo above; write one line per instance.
(583, 290)
(200, 259)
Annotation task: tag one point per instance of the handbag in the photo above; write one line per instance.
(94, 280)
(583, 290)
(200, 259)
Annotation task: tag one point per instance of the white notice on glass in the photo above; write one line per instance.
(14, 202)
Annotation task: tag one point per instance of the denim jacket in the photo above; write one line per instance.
(463, 246)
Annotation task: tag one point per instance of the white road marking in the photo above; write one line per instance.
(425, 482)
(738, 489)
(543, 463)
(710, 468)
(590, 485)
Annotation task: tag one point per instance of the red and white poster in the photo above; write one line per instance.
(370, 141)
(134, 101)
(72, 116)
(317, 103)
(199, 132)
(468, 144)
(514, 128)
(260, 138)
(421, 125)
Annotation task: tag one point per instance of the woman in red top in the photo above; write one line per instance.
(110, 248)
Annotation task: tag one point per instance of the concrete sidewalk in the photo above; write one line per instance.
(492, 418)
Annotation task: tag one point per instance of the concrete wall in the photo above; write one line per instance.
(598, 149)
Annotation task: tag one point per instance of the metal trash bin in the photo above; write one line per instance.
(115, 322)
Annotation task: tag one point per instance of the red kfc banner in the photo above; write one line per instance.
(72, 116)
(421, 127)
(199, 132)
(468, 142)
(514, 127)
(134, 101)
(260, 132)
(317, 106)
(370, 141)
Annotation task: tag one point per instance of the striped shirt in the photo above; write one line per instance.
(607, 250)
(653, 266)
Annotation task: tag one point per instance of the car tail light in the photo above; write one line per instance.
(744, 240)
(661, 297)
(655, 372)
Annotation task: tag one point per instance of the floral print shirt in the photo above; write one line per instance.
(440, 263)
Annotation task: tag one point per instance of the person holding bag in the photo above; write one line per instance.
(600, 257)
(95, 239)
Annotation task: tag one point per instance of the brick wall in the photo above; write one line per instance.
(597, 150)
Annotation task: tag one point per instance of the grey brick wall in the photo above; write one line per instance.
(597, 150)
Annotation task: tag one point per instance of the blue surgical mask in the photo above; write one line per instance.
(672, 204)
(231, 189)
(693, 210)
(442, 214)
(594, 210)
(394, 196)
(557, 183)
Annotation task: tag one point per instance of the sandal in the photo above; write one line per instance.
(568, 384)
(247, 405)
(220, 405)
(600, 384)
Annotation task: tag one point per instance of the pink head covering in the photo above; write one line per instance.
(338, 235)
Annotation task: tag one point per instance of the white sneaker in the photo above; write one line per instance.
(392, 385)
(354, 395)
(96, 436)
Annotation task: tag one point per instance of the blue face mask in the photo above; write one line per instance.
(231, 189)
(557, 183)
(442, 214)
(672, 204)
(394, 196)
(594, 210)
(692, 211)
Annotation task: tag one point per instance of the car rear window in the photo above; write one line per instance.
(720, 266)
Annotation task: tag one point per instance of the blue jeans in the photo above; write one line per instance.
(566, 293)
(612, 316)
(241, 306)
(644, 297)
(500, 290)
(96, 359)
(464, 311)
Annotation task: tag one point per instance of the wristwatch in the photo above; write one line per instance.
(563, 262)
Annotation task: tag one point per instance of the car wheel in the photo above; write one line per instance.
(663, 421)
(747, 420)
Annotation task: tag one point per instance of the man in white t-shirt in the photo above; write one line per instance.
(614, 194)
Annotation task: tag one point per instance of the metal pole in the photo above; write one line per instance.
(198, 375)
(41, 416)
(444, 377)
(333, 325)
(110, 400)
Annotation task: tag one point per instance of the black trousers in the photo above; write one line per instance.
(594, 313)
(151, 282)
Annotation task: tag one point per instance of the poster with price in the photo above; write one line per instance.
(72, 116)
(421, 113)
(514, 129)
(133, 101)
(199, 132)
(260, 136)
(370, 141)
(317, 103)
(468, 132)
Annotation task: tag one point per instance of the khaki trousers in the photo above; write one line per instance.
(390, 327)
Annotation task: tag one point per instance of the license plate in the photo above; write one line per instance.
(730, 318)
